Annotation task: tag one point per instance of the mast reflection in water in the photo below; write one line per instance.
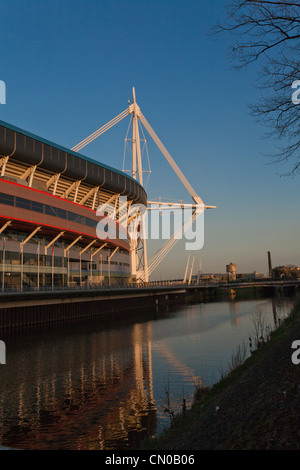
(100, 386)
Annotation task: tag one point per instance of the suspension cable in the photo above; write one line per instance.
(100, 131)
(168, 245)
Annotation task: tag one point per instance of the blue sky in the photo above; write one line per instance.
(69, 67)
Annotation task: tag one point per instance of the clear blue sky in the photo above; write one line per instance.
(69, 67)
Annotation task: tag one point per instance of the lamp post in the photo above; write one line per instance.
(22, 260)
(80, 267)
(101, 270)
(91, 269)
(38, 265)
(3, 264)
(68, 275)
(53, 267)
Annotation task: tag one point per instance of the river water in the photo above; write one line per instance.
(107, 385)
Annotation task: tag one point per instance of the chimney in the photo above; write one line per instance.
(270, 265)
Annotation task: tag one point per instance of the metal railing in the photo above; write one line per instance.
(90, 287)
(154, 284)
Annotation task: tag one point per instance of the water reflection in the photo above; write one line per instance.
(87, 390)
(100, 386)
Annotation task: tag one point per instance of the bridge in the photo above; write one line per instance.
(260, 283)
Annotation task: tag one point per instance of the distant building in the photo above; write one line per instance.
(211, 277)
(231, 271)
(224, 277)
(286, 272)
(250, 276)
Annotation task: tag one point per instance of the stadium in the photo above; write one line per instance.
(50, 199)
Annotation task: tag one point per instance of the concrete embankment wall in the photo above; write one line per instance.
(33, 308)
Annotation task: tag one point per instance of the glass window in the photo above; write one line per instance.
(61, 213)
(7, 199)
(72, 217)
(51, 211)
(23, 203)
(56, 212)
(91, 222)
(37, 206)
(76, 218)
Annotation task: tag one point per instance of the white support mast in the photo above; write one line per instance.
(191, 271)
(186, 270)
(141, 268)
(139, 242)
(199, 271)
(197, 199)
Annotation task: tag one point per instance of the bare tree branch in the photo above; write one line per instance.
(268, 32)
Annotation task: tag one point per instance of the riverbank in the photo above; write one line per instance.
(255, 407)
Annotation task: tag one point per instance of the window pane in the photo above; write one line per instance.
(23, 203)
(61, 213)
(37, 206)
(76, 218)
(73, 217)
(51, 211)
(7, 199)
(91, 222)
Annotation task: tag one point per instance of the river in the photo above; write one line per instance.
(107, 385)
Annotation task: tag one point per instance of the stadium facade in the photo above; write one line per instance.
(56, 227)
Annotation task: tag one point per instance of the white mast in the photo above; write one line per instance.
(141, 268)
(186, 270)
(138, 169)
(191, 272)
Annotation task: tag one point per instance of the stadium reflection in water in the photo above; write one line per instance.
(99, 385)
(77, 390)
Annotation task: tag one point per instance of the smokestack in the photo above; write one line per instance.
(270, 265)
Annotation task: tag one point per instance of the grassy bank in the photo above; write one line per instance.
(254, 406)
